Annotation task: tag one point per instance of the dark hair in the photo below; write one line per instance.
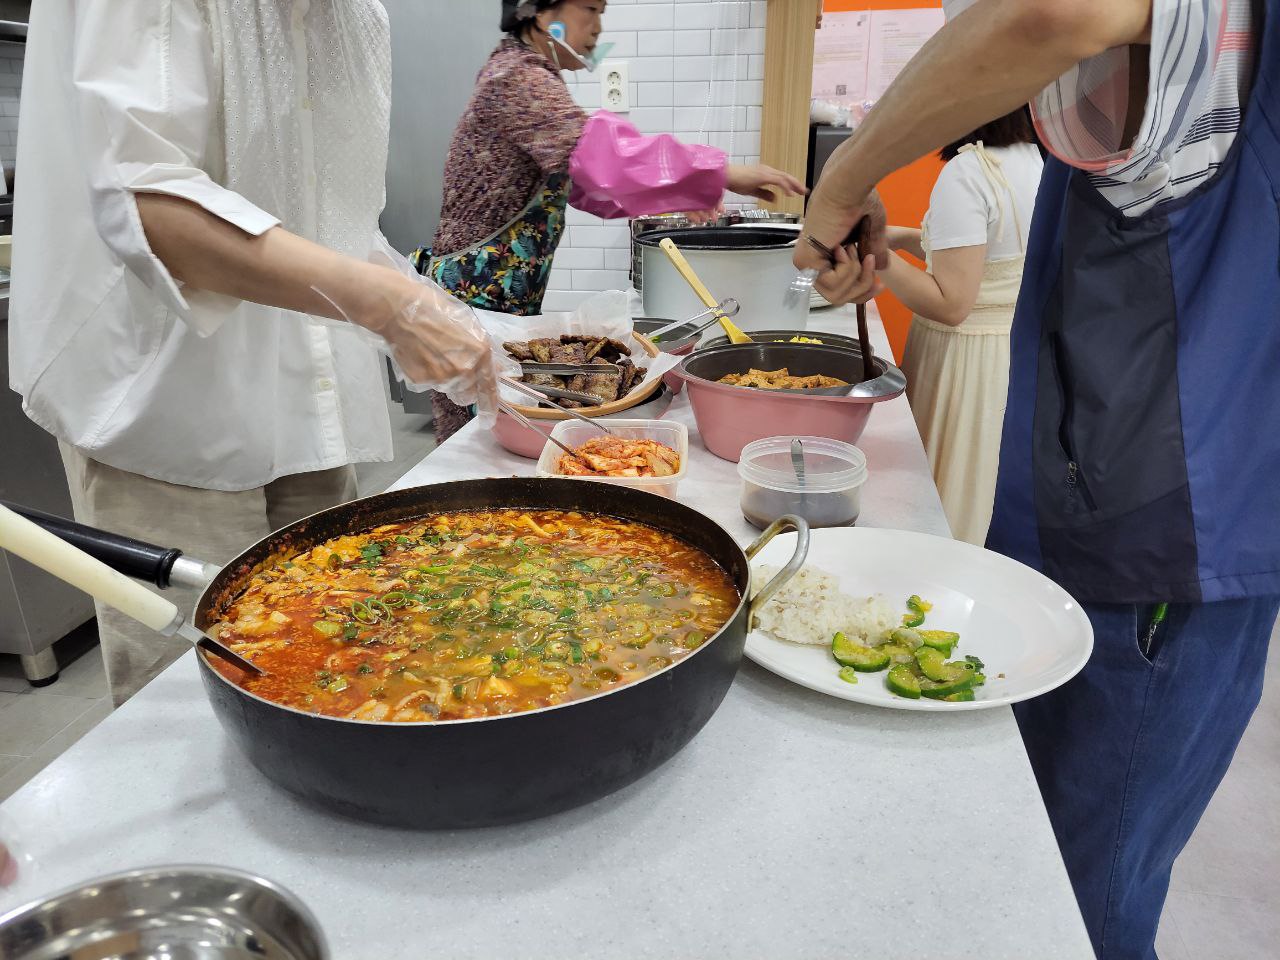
(517, 27)
(1005, 131)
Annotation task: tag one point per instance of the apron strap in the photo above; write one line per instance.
(1000, 183)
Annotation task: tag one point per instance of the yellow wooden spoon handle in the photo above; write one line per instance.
(686, 271)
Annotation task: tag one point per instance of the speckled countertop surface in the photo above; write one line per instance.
(794, 825)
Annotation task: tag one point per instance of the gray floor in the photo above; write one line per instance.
(1224, 903)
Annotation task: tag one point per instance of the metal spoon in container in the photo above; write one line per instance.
(797, 464)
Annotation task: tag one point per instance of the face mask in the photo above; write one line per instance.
(557, 33)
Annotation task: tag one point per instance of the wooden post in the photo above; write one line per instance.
(788, 86)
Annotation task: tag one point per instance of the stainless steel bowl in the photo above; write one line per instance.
(165, 913)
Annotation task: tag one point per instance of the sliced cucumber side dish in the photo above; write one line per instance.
(916, 659)
(849, 653)
(903, 681)
(943, 640)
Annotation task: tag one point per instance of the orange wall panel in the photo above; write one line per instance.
(906, 192)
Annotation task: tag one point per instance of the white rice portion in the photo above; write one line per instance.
(811, 609)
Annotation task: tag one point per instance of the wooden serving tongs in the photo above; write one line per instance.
(711, 303)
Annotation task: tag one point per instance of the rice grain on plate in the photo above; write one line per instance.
(811, 609)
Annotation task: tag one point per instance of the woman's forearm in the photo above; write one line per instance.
(906, 239)
(278, 268)
(918, 290)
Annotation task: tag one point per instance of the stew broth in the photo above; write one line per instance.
(473, 614)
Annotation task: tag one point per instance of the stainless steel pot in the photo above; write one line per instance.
(678, 221)
(751, 264)
(642, 225)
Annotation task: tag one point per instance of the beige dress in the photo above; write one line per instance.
(957, 383)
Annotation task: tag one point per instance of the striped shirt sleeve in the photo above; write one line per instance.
(1194, 94)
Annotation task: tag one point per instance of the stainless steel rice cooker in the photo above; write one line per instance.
(751, 264)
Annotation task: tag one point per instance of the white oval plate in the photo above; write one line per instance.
(1017, 621)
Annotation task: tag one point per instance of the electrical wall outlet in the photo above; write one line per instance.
(615, 86)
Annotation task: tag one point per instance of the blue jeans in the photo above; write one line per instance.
(1129, 753)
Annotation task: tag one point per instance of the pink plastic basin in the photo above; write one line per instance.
(729, 418)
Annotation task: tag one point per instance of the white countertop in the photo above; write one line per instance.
(794, 825)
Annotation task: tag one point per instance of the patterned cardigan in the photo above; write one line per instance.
(520, 127)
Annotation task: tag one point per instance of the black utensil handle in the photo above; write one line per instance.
(133, 558)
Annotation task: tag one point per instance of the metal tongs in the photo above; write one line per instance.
(728, 307)
(568, 369)
(533, 394)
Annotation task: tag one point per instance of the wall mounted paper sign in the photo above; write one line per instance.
(858, 53)
(896, 37)
(840, 52)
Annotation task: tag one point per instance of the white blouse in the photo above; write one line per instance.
(967, 208)
(263, 112)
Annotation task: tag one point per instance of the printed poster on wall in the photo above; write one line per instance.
(858, 53)
(840, 52)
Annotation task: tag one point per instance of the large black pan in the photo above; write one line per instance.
(480, 772)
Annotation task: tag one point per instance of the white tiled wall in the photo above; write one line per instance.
(697, 71)
(10, 88)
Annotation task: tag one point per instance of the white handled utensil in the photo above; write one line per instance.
(54, 555)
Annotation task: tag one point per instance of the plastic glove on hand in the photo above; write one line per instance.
(434, 339)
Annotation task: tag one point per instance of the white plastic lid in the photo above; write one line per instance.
(829, 465)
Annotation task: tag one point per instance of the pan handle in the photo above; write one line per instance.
(788, 522)
(24, 538)
(36, 545)
(134, 558)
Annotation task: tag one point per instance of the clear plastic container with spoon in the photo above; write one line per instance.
(813, 477)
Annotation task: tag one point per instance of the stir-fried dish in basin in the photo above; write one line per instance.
(473, 614)
(780, 380)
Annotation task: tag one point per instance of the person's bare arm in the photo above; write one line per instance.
(990, 60)
(434, 337)
(906, 239)
(946, 295)
(278, 269)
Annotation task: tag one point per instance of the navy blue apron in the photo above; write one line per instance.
(1141, 450)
